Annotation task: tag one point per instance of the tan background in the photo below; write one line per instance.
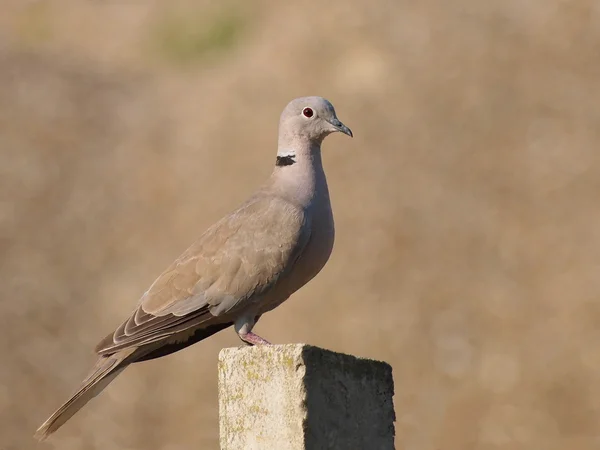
(467, 205)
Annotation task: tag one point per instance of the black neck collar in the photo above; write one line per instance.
(286, 160)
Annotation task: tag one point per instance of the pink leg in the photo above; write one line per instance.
(253, 339)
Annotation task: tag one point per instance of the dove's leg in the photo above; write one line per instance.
(243, 327)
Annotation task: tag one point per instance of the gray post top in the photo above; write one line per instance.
(298, 397)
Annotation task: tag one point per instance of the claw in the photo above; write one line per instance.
(253, 339)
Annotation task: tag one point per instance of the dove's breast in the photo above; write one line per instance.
(316, 252)
(319, 247)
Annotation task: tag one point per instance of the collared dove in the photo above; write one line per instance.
(243, 266)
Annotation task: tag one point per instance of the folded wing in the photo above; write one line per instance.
(235, 261)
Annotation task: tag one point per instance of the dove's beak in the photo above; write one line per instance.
(339, 126)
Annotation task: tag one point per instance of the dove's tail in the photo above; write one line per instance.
(105, 370)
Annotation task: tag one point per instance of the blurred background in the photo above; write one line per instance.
(467, 205)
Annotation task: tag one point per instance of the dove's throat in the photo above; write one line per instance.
(299, 176)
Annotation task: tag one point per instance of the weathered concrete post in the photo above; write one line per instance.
(299, 397)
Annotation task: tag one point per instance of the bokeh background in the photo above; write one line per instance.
(467, 206)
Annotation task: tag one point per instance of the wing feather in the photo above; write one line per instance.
(239, 258)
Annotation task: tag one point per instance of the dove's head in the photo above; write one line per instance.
(309, 119)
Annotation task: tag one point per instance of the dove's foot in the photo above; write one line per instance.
(253, 339)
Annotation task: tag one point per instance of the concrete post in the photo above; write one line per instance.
(299, 397)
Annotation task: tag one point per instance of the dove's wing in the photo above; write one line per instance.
(238, 258)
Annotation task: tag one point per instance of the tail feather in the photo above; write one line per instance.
(106, 370)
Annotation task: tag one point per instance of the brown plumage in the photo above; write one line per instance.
(241, 267)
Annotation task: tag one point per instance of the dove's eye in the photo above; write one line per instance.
(308, 112)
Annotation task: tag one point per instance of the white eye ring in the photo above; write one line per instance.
(308, 112)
